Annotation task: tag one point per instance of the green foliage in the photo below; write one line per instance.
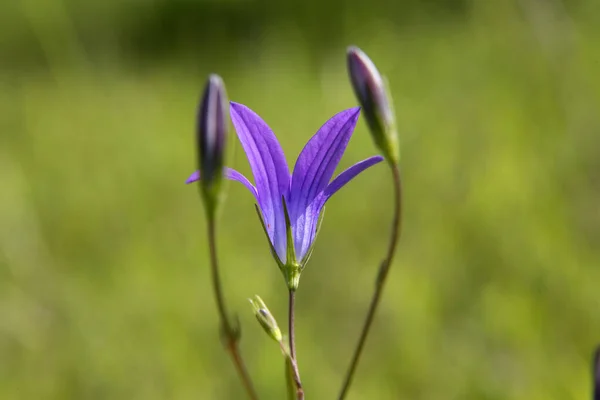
(104, 283)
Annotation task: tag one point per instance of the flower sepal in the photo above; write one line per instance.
(291, 273)
(292, 268)
(273, 251)
(312, 245)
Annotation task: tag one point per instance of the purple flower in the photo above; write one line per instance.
(291, 204)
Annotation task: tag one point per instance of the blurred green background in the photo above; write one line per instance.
(104, 282)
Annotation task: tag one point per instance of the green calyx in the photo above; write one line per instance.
(291, 273)
(291, 268)
(381, 119)
(389, 139)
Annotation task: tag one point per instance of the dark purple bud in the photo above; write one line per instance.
(212, 134)
(370, 89)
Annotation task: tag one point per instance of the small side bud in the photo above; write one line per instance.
(370, 90)
(596, 374)
(212, 127)
(266, 320)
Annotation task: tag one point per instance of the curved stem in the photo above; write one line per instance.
(291, 317)
(380, 282)
(229, 332)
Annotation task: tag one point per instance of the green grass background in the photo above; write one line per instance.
(104, 282)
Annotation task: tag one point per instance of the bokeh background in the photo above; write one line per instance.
(104, 282)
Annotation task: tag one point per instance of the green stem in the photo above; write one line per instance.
(596, 374)
(230, 334)
(380, 282)
(291, 328)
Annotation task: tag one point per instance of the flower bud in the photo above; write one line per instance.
(266, 320)
(370, 90)
(211, 135)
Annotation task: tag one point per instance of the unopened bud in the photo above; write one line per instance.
(265, 318)
(370, 90)
(211, 135)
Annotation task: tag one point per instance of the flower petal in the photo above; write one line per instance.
(319, 158)
(313, 171)
(306, 226)
(231, 174)
(310, 219)
(193, 177)
(269, 167)
(349, 174)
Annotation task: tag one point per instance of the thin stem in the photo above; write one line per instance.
(596, 374)
(229, 332)
(381, 278)
(291, 317)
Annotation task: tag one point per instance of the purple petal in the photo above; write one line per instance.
(312, 212)
(270, 170)
(231, 174)
(350, 174)
(236, 176)
(193, 177)
(313, 171)
(306, 227)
